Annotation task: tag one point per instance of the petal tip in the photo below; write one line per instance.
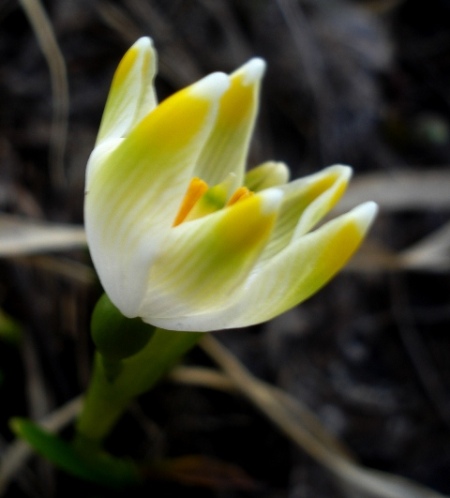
(282, 172)
(345, 171)
(212, 86)
(145, 42)
(253, 71)
(271, 200)
(365, 215)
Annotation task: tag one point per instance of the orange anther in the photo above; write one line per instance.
(240, 194)
(196, 189)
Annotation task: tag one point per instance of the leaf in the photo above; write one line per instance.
(94, 466)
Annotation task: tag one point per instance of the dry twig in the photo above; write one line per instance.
(364, 482)
(60, 86)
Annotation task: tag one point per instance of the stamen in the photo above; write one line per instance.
(196, 189)
(240, 194)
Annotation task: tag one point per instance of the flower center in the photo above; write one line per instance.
(200, 200)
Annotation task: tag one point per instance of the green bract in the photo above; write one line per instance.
(179, 234)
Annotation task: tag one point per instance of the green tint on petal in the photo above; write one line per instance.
(299, 271)
(227, 147)
(206, 260)
(266, 175)
(211, 201)
(132, 95)
(305, 202)
(134, 192)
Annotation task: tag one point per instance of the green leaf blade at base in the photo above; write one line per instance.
(93, 466)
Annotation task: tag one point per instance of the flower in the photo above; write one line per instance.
(179, 234)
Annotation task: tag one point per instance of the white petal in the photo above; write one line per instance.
(289, 278)
(305, 202)
(134, 190)
(204, 262)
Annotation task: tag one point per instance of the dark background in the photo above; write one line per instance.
(363, 82)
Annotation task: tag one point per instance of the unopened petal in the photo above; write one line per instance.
(204, 262)
(299, 271)
(132, 94)
(133, 194)
(227, 147)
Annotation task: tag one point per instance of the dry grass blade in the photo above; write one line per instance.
(118, 20)
(60, 87)
(176, 64)
(66, 268)
(201, 376)
(432, 252)
(20, 237)
(212, 379)
(400, 190)
(358, 481)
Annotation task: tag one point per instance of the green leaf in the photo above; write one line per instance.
(93, 465)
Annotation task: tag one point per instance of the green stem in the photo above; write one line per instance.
(107, 399)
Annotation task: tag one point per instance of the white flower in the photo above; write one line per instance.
(179, 234)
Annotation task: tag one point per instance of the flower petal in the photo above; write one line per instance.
(267, 175)
(133, 191)
(132, 95)
(305, 202)
(299, 271)
(226, 149)
(204, 261)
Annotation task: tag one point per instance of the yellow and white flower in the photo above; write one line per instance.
(179, 234)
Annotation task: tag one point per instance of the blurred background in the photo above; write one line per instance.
(361, 82)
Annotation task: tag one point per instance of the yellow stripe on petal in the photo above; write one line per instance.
(163, 147)
(237, 102)
(132, 95)
(124, 68)
(226, 149)
(182, 115)
(305, 203)
(249, 223)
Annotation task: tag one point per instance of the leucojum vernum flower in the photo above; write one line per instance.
(179, 233)
(183, 239)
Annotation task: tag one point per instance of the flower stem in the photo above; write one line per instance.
(107, 398)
